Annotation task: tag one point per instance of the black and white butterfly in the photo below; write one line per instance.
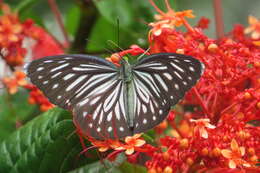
(113, 102)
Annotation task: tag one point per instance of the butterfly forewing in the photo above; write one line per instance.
(164, 79)
(65, 79)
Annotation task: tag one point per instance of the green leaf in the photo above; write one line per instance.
(45, 144)
(102, 166)
(132, 168)
(13, 108)
(72, 19)
(116, 9)
(23, 5)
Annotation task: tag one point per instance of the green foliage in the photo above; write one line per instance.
(43, 145)
(132, 168)
(48, 144)
(102, 166)
(12, 111)
(114, 9)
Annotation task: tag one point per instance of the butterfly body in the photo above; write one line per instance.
(113, 102)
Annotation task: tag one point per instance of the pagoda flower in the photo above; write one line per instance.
(201, 125)
(234, 155)
(254, 27)
(131, 143)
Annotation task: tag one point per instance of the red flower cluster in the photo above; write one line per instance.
(13, 37)
(15, 42)
(221, 132)
(12, 83)
(35, 95)
(228, 96)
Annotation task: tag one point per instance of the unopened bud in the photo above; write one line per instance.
(247, 95)
(212, 47)
(204, 152)
(184, 143)
(216, 152)
(189, 161)
(167, 169)
(180, 51)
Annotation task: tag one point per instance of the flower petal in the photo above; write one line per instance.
(139, 142)
(103, 149)
(119, 148)
(157, 32)
(234, 145)
(242, 151)
(203, 133)
(128, 139)
(226, 153)
(130, 151)
(232, 164)
(138, 135)
(210, 126)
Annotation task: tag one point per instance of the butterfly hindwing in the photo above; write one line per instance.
(165, 78)
(102, 113)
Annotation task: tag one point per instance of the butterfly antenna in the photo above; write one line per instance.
(118, 36)
(117, 31)
(114, 44)
(147, 50)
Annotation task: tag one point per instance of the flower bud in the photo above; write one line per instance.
(247, 95)
(257, 64)
(189, 161)
(184, 143)
(166, 155)
(212, 47)
(254, 158)
(251, 151)
(258, 105)
(241, 134)
(180, 51)
(216, 152)
(204, 152)
(167, 169)
(152, 170)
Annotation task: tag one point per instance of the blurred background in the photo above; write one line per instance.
(97, 21)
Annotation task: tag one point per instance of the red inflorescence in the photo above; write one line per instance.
(225, 102)
(15, 38)
(220, 132)
(37, 97)
(18, 40)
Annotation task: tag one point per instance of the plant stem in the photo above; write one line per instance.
(201, 102)
(218, 18)
(58, 17)
(156, 8)
(87, 20)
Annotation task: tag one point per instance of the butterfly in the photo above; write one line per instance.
(111, 102)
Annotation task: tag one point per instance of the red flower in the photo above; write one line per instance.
(131, 143)
(14, 34)
(37, 97)
(45, 44)
(235, 155)
(254, 27)
(203, 23)
(12, 83)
